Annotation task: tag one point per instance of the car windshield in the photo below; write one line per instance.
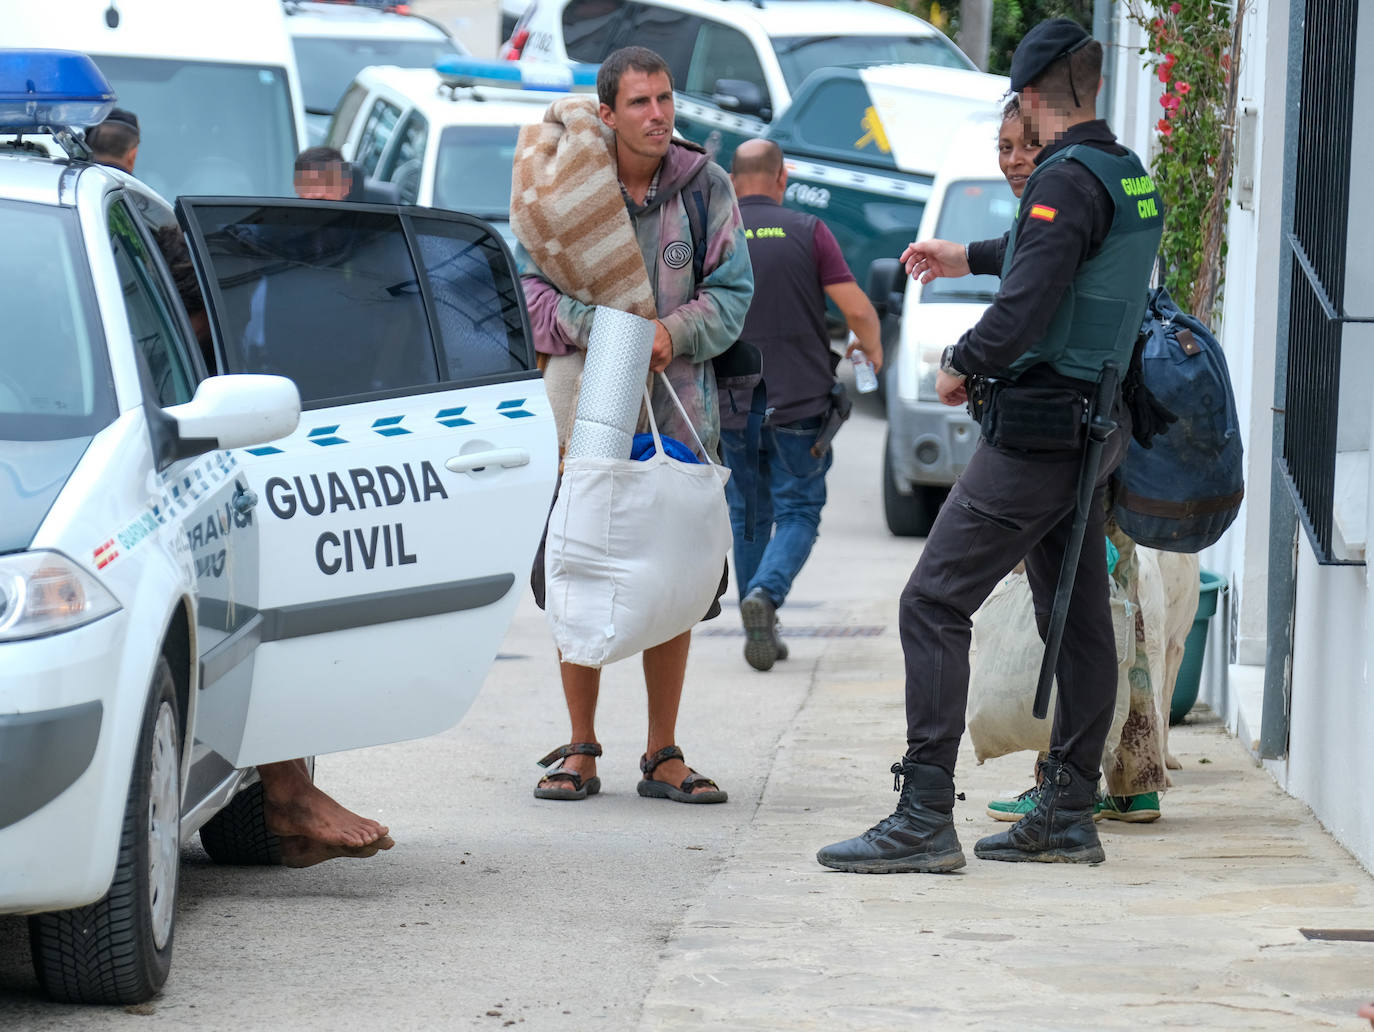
(973, 209)
(802, 55)
(473, 172)
(328, 64)
(207, 128)
(54, 373)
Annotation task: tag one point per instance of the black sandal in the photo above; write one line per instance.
(580, 789)
(682, 793)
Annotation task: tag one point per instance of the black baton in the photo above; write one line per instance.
(1100, 427)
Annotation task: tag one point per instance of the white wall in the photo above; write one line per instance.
(1330, 762)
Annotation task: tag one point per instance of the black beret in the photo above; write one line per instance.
(124, 117)
(1042, 46)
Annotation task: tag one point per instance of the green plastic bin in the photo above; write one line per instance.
(1195, 647)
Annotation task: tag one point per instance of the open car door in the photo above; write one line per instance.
(399, 521)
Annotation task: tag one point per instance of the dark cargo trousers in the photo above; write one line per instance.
(1005, 507)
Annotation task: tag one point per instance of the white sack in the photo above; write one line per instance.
(635, 552)
(1004, 666)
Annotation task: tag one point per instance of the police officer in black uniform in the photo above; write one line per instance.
(1075, 269)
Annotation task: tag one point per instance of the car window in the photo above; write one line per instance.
(973, 209)
(328, 63)
(381, 123)
(476, 300)
(342, 121)
(799, 56)
(671, 34)
(590, 28)
(153, 322)
(406, 156)
(330, 296)
(723, 53)
(473, 169)
(54, 371)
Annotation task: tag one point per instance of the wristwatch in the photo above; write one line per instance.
(947, 364)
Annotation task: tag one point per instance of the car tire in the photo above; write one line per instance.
(238, 834)
(118, 950)
(908, 515)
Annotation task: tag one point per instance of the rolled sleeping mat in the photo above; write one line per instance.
(612, 390)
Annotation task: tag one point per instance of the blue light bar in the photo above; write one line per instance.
(51, 89)
(516, 75)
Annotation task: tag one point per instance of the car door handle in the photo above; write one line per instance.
(506, 458)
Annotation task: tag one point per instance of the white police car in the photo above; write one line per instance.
(333, 41)
(446, 136)
(190, 582)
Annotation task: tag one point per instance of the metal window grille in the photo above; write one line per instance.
(1316, 316)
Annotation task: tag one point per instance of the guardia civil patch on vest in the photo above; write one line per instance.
(677, 255)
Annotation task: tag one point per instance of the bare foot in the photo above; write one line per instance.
(295, 808)
(674, 772)
(298, 851)
(577, 763)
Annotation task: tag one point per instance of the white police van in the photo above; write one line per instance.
(194, 576)
(334, 41)
(736, 66)
(929, 444)
(214, 86)
(445, 137)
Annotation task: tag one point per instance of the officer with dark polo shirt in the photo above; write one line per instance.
(1075, 269)
(797, 265)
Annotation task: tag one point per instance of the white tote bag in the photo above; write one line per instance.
(635, 550)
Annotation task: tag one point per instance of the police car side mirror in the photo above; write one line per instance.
(234, 412)
(742, 97)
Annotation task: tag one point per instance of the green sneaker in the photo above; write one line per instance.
(1135, 809)
(1016, 808)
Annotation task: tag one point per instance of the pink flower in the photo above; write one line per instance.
(1183, 89)
(1165, 129)
(1175, 8)
(1165, 71)
(1226, 61)
(1168, 102)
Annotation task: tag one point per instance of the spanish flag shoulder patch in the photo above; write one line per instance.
(1043, 211)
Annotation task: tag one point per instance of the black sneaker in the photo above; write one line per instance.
(758, 613)
(918, 837)
(1058, 829)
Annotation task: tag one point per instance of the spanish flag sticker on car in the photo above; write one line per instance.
(1043, 211)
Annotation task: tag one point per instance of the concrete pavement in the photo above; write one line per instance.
(495, 910)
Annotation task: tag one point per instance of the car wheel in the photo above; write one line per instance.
(119, 949)
(238, 834)
(908, 515)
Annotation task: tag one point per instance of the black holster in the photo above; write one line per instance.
(1034, 419)
(832, 420)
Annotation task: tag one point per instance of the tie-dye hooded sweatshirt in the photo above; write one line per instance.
(702, 319)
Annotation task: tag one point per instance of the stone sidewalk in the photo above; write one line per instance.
(1193, 922)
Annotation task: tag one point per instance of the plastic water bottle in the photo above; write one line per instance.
(865, 379)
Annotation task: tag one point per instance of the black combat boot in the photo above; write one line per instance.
(919, 836)
(1059, 829)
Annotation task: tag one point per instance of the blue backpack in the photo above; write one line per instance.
(1181, 493)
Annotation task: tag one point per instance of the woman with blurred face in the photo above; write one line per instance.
(1015, 153)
